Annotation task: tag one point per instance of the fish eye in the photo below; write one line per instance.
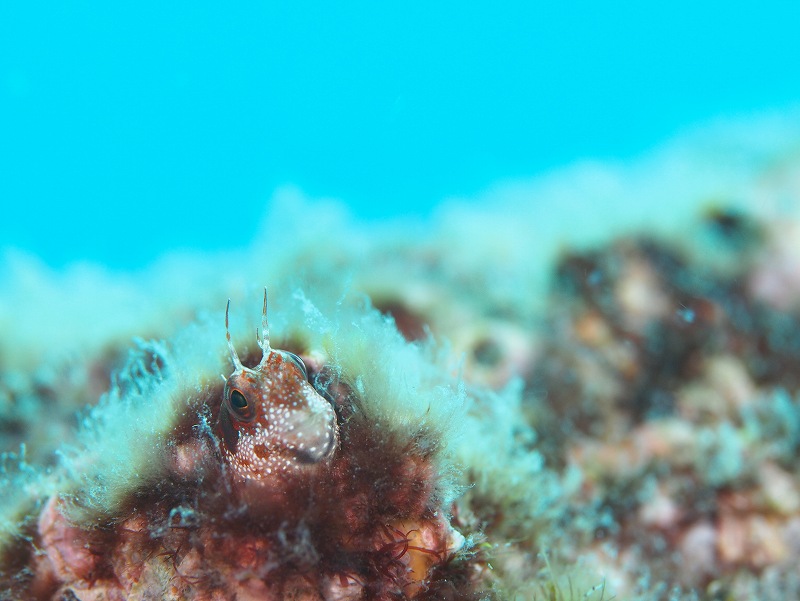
(238, 400)
(298, 362)
(239, 407)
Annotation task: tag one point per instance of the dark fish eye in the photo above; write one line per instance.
(298, 362)
(238, 401)
(240, 407)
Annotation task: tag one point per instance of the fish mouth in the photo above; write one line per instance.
(318, 452)
(309, 437)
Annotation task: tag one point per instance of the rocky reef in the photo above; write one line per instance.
(153, 499)
(590, 396)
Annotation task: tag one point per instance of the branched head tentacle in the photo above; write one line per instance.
(263, 339)
(234, 357)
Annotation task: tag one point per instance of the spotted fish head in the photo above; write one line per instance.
(272, 420)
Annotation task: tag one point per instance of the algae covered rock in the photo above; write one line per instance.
(585, 387)
(153, 499)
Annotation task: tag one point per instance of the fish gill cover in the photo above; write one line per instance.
(589, 397)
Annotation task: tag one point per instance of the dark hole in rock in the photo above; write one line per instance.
(408, 323)
(487, 352)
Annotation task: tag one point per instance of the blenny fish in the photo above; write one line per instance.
(272, 420)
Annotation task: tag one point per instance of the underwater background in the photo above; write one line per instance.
(524, 282)
(150, 127)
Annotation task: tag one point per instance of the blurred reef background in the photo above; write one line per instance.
(593, 395)
(556, 312)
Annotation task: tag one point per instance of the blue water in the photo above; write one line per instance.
(127, 129)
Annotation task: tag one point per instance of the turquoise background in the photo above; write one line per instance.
(132, 128)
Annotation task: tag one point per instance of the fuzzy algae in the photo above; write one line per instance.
(597, 404)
